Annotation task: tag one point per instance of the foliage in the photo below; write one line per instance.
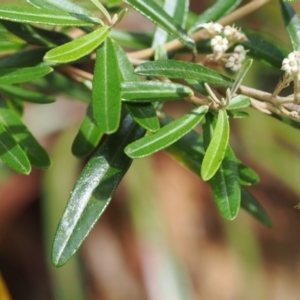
(125, 107)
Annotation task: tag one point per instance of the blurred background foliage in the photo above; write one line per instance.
(162, 236)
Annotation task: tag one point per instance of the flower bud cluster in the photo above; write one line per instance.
(223, 38)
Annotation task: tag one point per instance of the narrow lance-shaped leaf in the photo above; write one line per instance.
(15, 75)
(154, 91)
(63, 5)
(24, 14)
(217, 147)
(253, 207)
(238, 102)
(143, 113)
(26, 95)
(93, 191)
(240, 76)
(216, 11)
(225, 182)
(88, 136)
(34, 151)
(102, 9)
(166, 135)
(12, 154)
(157, 15)
(181, 69)
(177, 9)
(292, 23)
(77, 48)
(106, 95)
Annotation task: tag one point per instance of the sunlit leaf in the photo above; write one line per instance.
(166, 135)
(93, 191)
(238, 102)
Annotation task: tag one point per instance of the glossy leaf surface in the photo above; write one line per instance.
(93, 191)
(166, 135)
(292, 23)
(43, 16)
(247, 176)
(88, 136)
(238, 102)
(154, 91)
(14, 75)
(143, 113)
(185, 70)
(217, 146)
(157, 15)
(219, 9)
(106, 95)
(12, 154)
(36, 154)
(78, 48)
(26, 95)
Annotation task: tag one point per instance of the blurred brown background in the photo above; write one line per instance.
(161, 238)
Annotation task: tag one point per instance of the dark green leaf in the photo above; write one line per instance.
(220, 9)
(166, 135)
(226, 187)
(237, 114)
(143, 113)
(181, 69)
(93, 191)
(14, 75)
(157, 15)
(21, 59)
(77, 48)
(26, 95)
(107, 88)
(12, 154)
(24, 14)
(292, 24)
(37, 156)
(217, 146)
(253, 207)
(238, 102)
(88, 136)
(265, 49)
(247, 175)
(35, 35)
(140, 91)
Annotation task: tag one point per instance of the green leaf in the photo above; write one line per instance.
(226, 187)
(217, 146)
(88, 136)
(237, 114)
(35, 35)
(24, 14)
(247, 175)
(143, 113)
(78, 48)
(140, 91)
(102, 9)
(240, 76)
(14, 75)
(37, 156)
(93, 191)
(177, 9)
(26, 95)
(238, 102)
(26, 58)
(292, 24)
(12, 154)
(64, 5)
(166, 135)
(219, 9)
(181, 69)
(265, 49)
(253, 207)
(157, 15)
(106, 96)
